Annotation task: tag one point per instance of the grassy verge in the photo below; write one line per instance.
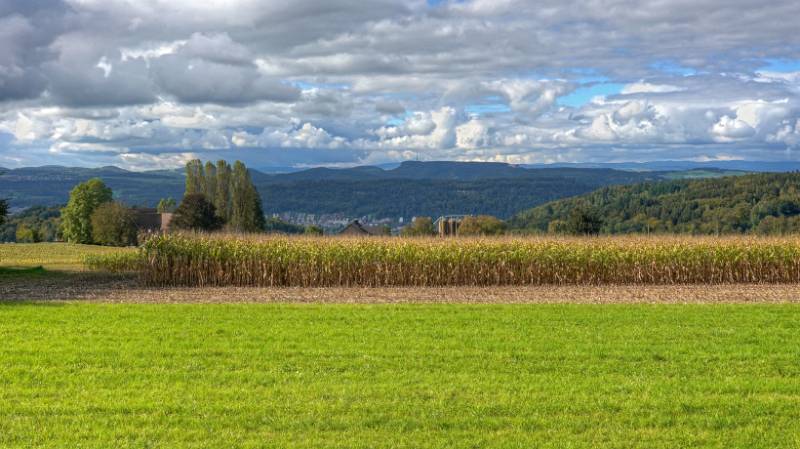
(246, 376)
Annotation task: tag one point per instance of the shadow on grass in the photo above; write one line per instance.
(7, 272)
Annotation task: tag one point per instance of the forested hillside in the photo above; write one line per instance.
(413, 188)
(759, 203)
(394, 198)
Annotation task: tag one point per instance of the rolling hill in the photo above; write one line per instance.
(766, 203)
(412, 188)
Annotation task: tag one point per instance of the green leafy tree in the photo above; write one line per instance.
(421, 226)
(113, 224)
(236, 200)
(195, 182)
(247, 214)
(210, 182)
(27, 234)
(222, 198)
(481, 225)
(196, 213)
(166, 205)
(584, 221)
(76, 225)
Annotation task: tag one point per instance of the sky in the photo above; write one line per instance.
(150, 84)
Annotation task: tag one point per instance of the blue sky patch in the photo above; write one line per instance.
(673, 68)
(782, 65)
(583, 95)
(486, 108)
(309, 85)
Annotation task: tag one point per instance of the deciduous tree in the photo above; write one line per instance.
(421, 226)
(222, 199)
(114, 224)
(481, 225)
(194, 177)
(247, 214)
(76, 225)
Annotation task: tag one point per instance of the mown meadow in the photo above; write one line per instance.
(413, 376)
(53, 256)
(221, 260)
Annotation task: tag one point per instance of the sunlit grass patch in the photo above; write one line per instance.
(52, 256)
(414, 376)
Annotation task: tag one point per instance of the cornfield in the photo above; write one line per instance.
(215, 260)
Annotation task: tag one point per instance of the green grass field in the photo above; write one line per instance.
(413, 376)
(50, 256)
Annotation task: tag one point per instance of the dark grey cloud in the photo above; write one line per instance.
(26, 30)
(194, 80)
(124, 83)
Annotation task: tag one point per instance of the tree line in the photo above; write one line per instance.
(765, 204)
(217, 196)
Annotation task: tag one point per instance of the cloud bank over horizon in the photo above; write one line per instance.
(148, 84)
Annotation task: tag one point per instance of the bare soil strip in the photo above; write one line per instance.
(104, 288)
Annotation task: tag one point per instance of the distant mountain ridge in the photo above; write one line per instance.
(408, 189)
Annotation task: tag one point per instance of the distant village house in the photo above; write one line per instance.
(150, 220)
(356, 228)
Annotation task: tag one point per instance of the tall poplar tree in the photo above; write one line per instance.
(247, 214)
(222, 199)
(210, 178)
(194, 175)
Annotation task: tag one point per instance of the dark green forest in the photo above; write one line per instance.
(394, 198)
(413, 189)
(758, 203)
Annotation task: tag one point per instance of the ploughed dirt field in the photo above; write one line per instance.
(89, 286)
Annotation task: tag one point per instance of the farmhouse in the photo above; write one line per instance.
(150, 220)
(356, 228)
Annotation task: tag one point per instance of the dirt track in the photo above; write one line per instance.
(93, 287)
